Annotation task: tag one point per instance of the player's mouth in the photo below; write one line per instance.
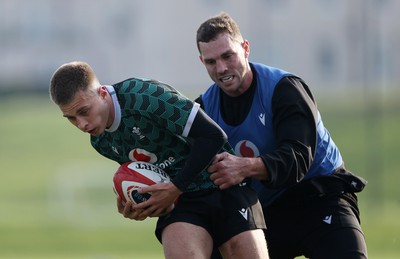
(91, 132)
(225, 79)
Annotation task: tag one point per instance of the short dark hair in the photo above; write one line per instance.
(69, 79)
(211, 28)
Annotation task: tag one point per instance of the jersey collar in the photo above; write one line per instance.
(117, 109)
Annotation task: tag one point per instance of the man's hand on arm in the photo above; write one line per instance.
(228, 170)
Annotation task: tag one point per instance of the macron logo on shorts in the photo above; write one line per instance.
(328, 219)
(244, 213)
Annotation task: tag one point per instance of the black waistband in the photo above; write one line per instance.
(340, 182)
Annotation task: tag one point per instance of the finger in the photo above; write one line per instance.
(143, 205)
(162, 211)
(142, 190)
(213, 176)
(120, 204)
(157, 213)
(144, 213)
(224, 186)
(217, 176)
(137, 215)
(127, 209)
(215, 164)
(226, 183)
(213, 168)
(217, 158)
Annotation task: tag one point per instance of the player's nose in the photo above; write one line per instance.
(221, 66)
(81, 124)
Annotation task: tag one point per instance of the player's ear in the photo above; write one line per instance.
(246, 47)
(102, 90)
(201, 59)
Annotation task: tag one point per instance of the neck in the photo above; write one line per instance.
(246, 83)
(248, 79)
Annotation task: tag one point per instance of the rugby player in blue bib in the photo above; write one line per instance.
(272, 122)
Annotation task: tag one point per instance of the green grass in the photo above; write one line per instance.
(56, 192)
(56, 195)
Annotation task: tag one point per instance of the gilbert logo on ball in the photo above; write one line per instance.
(133, 175)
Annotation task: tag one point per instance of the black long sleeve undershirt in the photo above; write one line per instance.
(294, 123)
(207, 138)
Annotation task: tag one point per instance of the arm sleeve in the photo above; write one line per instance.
(294, 123)
(207, 139)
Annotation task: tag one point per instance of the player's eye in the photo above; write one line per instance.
(84, 112)
(71, 119)
(227, 56)
(209, 62)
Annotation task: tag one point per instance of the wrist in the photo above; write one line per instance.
(175, 189)
(257, 169)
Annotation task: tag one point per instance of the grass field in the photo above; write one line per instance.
(56, 195)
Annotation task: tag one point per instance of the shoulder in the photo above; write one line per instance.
(293, 86)
(264, 70)
(140, 85)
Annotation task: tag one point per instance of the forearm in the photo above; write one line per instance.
(287, 165)
(207, 140)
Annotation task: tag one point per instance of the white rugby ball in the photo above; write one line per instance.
(132, 175)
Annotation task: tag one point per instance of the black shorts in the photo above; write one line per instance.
(223, 213)
(317, 227)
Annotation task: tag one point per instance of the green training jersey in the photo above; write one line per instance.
(152, 122)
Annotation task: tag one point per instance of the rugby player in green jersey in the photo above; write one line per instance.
(146, 120)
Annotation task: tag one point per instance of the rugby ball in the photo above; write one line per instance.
(132, 175)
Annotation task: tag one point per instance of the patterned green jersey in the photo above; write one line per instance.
(152, 122)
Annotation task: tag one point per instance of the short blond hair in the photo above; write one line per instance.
(70, 78)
